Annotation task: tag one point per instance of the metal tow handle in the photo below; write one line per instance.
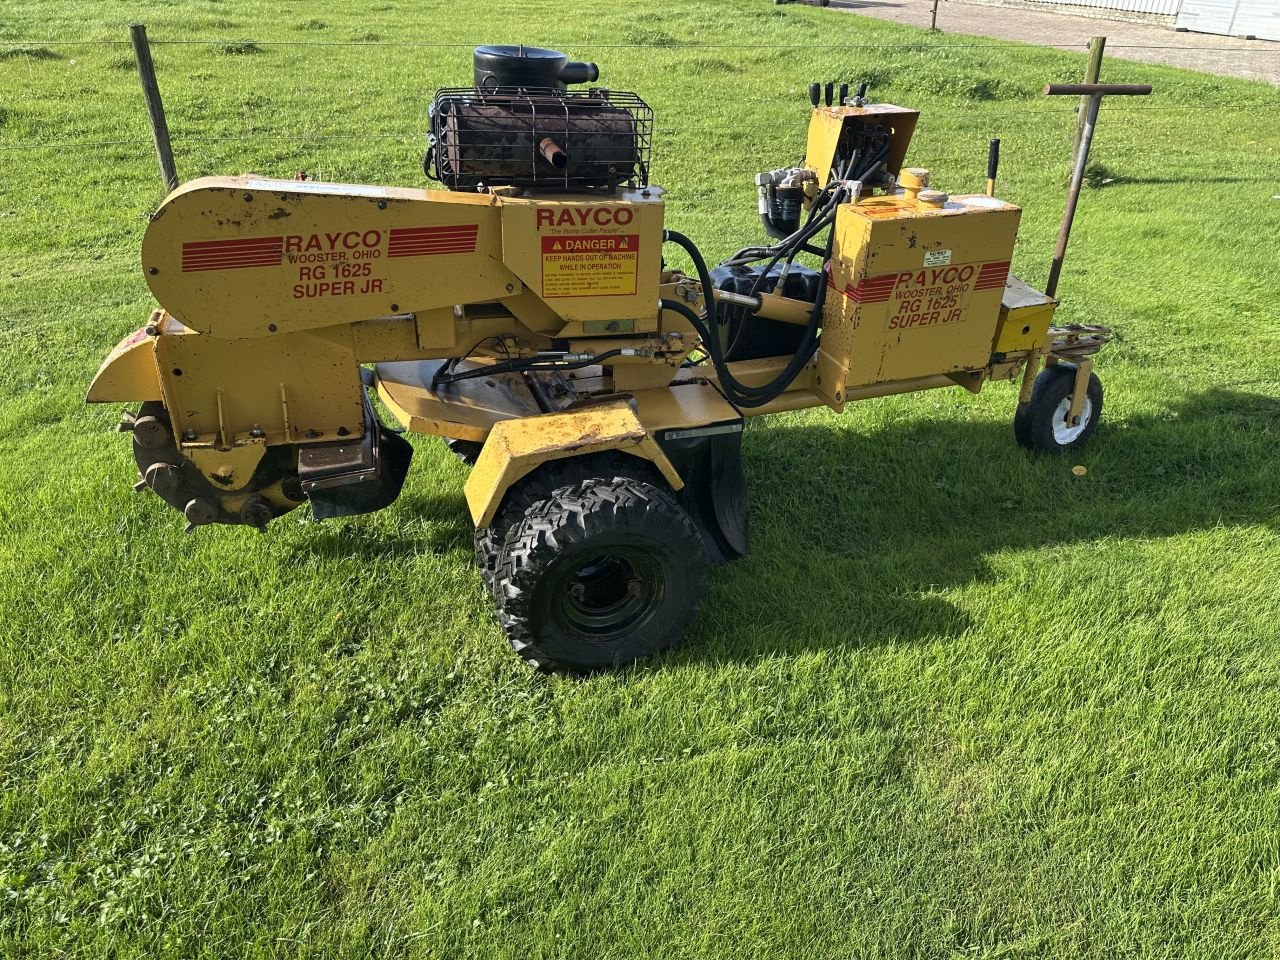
(1095, 92)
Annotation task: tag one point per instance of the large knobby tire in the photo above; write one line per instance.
(1041, 423)
(599, 574)
(541, 484)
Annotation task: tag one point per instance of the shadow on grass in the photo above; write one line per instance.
(853, 533)
(440, 525)
(1121, 180)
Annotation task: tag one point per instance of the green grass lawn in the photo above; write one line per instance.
(956, 702)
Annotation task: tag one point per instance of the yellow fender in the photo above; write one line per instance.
(129, 373)
(516, 447)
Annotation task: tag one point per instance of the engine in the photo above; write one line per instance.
(520, 126)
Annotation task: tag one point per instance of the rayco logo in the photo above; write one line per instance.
(350, 240)
(585, 216)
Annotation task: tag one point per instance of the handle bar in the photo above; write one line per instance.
(1089, 89)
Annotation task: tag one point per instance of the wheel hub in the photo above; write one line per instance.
(610, 594)
(1063, 431)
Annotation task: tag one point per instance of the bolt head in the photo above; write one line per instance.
(200, 511)
(163, 478)
(150, 433)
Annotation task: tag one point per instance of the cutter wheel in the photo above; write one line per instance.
(273, 489)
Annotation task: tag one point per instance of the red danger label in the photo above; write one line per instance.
(608, 244)
(586, 265)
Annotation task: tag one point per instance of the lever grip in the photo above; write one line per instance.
(993, 158)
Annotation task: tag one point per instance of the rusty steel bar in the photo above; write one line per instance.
(1090, 89)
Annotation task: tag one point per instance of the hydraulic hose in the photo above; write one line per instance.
(739, 393)
(732, 387)
(524, 365)
(819, 219)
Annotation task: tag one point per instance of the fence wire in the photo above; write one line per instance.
(15, 50)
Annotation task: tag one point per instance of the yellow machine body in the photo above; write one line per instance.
(275, 293)
(526, 315)
(915, 289)
(246, 257)
(829, 127)
(516, 447)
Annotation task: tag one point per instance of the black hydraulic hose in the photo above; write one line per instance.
(732, 387)
(526, 365)
(704, 275)
(817, 222)
(752, 254)
(767, 222)
(738, 393)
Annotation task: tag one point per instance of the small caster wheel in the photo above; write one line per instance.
(601, 573)
(1041, 423)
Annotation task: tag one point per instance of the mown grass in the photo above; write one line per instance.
(956, 702)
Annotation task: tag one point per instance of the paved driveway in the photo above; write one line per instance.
(1228, 56)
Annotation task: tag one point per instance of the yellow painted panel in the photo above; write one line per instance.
(1025, 315)
(129, 372)
(915, 291)
(589, 259)
(517, 447)
(305, 388)
(240, 257)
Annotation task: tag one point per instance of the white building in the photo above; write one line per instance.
(1258, 19)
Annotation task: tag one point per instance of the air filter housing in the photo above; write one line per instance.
(500, 65)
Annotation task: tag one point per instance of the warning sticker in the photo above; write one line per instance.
(590, 266)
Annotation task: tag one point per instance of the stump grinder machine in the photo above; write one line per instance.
(525, 314)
